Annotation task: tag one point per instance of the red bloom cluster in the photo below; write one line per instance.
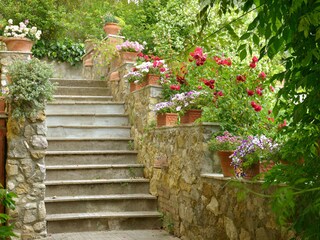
(241, 78)
(209, 83)
(221, 61)
(181, 79)
(219, 94)
(198, 55)
(259, 91)
(271, 88)
(148, 58)
(175, 87)
(262, 75)
(254, 61)
(256, 106)
(281, 125)
(250, 92)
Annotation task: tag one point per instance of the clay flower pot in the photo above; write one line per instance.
(128, 56)
(252, 171)
(167, 119)
(225, 161)
(153, 79)
(191, 115)
(18, 44)
(111, 28)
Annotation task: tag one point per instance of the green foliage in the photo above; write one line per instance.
(65, 50)
(6, 198)
(291, 29)
(110, 18)
(30, 88)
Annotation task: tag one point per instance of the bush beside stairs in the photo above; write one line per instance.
(93, 182)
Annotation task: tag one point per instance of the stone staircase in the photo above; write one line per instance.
(93, 181)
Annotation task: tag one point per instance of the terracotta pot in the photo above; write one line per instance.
(191, 115)
(225, 161)
(111, 28)
(128, 56)
(132, 87)
(167, 119)
(153, 79)
(18, 44)
(252, 171)
(265, 166)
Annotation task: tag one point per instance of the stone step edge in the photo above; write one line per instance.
(98, 152)
(97, 215)
(85, 103)
(89, 126)
(100, 197)
(75, 79)
(80, 96)
(90, 139)
(92, 166)
(81, 87)
(89, 114)
(95, 181)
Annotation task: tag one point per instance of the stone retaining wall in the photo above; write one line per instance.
(25, 165)
(196, 202)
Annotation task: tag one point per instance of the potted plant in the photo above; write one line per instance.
(129, 50)
(166, 114)
(111, 24)
(254, 151)
(20, 37)
(134, 77)
(224, 145)
(30, 87)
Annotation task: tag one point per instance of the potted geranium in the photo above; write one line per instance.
(111, 24)
(166, 114)
(20, 37)
(224, 145)
(129, 50)
(254, 151)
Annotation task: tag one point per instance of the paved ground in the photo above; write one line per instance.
(115, 235)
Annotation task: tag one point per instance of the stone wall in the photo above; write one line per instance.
(25, 166)
(196, 201)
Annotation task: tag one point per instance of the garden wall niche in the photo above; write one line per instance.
(196, 202)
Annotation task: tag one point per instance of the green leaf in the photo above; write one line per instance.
(243, 46)
(318, 34)
(243, 54)
(245, 36)
(255, 39)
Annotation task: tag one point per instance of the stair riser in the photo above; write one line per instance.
(85, 91)
(101, 205)
(77, 99)
(85, 108)
(78, 132)
(103, 224)
(93, 174)
(91, 145)
(90, 159)
(97, 189)
(79, 83)
(87, 120)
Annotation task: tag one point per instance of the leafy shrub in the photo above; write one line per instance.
(30, 88)
(6, 199)
(64, 51)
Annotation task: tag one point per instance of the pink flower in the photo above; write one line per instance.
(271, 119)
(252, 65)
(163, 69)
(271, 88)
(175, 87)
(255, 59)
(250, 92)
(219, 94)
(241, 78)
(281, 125)
(253, 104)
(262, 75)
(258, 108)
(259, 91)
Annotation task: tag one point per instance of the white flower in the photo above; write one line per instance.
(10, 21)
(3, 83)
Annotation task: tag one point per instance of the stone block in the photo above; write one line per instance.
(12, 170)
(230, 229)
(39, 142)
(30, 216)
(213, 206)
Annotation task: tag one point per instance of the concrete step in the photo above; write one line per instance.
(85, 108)
(77, 98)
(90, 144)
(84, 91)
(88, 131)
(99, 221)
(87, 119)
(101, 203)
(94, 171)
(90, 157)
(96, 187)
(79, 82)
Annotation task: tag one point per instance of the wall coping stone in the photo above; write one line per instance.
(202, 124)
